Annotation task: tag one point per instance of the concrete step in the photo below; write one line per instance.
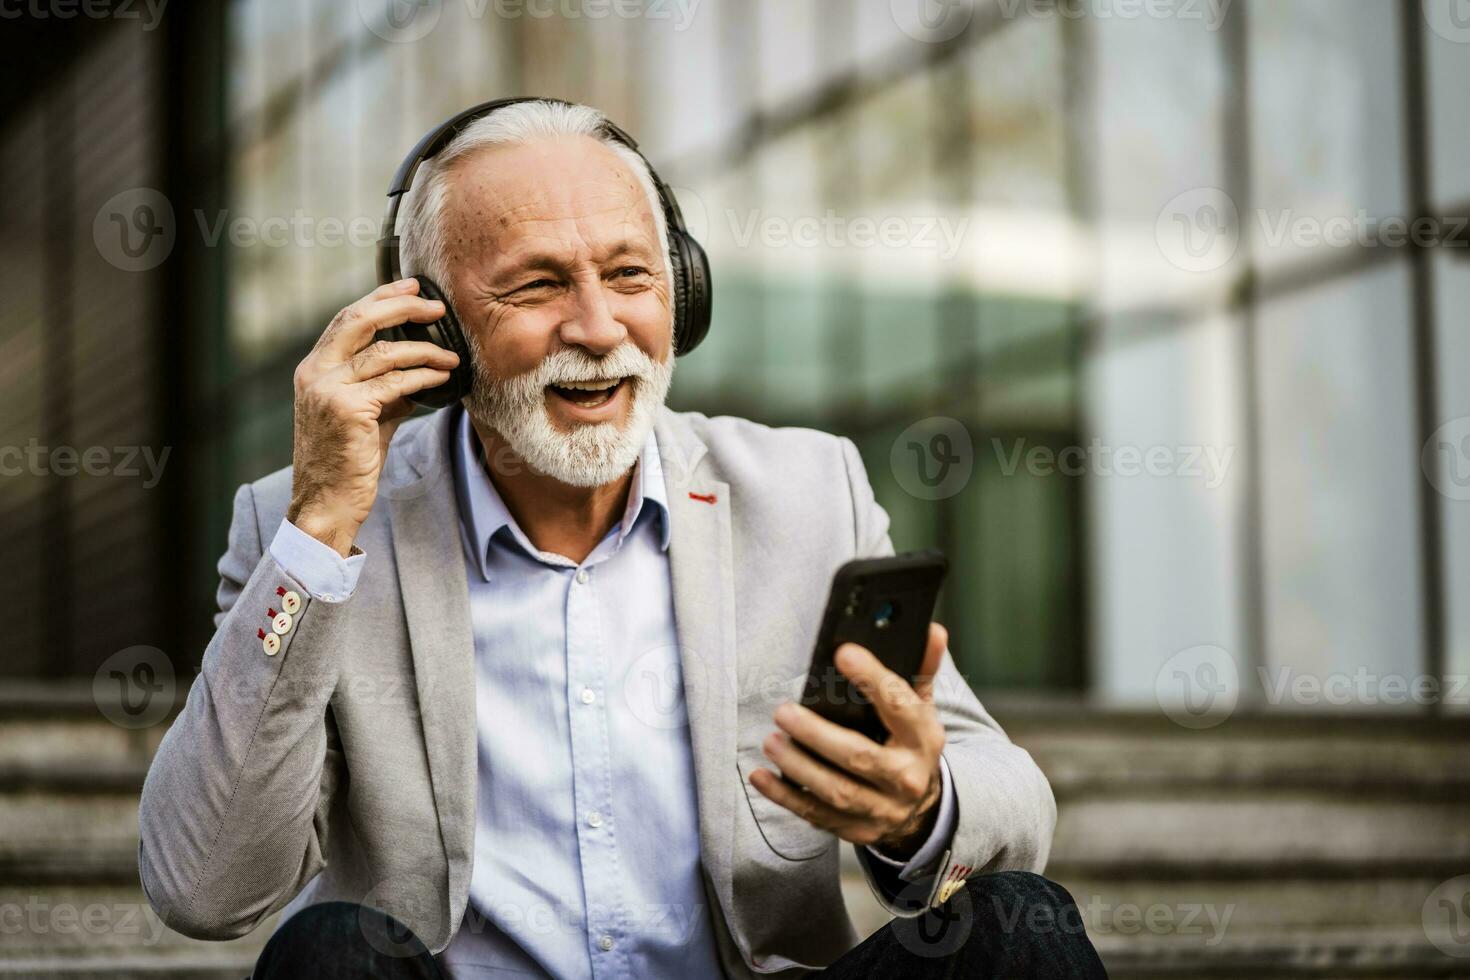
(146, 967)
(1084, 753)
(1265, 847)
(1208, 912)
(68, 930)
(57, 836)
(1334, 954)
(1282, 834)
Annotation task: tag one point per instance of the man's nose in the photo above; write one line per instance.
(592, 325)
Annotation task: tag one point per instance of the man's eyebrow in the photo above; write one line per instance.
(629, 246)
(544, 259)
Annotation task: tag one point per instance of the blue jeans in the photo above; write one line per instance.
(1010, 925)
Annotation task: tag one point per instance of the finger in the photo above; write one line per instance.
(383, 356)
(933, 657)
(352, 329)
(803, 804)
(408, 286)
(848, 750)
(398, 287)
(840, 791)
(898, 704)
(387, 388)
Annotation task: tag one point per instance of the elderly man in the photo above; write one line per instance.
(495, 690)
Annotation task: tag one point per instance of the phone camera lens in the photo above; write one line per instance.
(884, 615)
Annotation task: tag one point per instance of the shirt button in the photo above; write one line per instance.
(588, 695)
(582, 576)
(605, 942)
(594, 819)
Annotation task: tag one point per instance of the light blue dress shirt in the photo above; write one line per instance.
(587, 835)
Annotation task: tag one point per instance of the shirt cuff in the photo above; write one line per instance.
(320, 570)
(939, 837)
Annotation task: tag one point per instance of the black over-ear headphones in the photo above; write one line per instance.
(691, 285)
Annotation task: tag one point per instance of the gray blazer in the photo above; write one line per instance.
(343, 767)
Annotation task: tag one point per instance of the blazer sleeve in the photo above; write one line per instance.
(1006, 811)
(232, 820)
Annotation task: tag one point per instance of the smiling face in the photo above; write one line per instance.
(558, 278)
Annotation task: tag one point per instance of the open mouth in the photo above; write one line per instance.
(587, 394)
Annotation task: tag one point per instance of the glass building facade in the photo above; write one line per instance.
(1135, 261)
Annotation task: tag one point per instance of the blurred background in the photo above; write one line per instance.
(1147, 312)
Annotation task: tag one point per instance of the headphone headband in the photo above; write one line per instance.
(389, 269)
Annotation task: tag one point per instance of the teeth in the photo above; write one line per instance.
(588, 385)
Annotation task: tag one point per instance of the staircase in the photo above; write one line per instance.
(70, 902)
(1263, 848)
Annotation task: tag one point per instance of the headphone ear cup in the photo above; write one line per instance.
(447, 333)
(693, 302)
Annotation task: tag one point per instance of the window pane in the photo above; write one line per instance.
(1448, 462)
(1327, 141)
(1158, 96)
(1340, 489)
(1166, 569)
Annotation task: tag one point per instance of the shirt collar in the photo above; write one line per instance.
(483, 513)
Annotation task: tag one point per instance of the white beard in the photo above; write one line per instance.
(590, 455)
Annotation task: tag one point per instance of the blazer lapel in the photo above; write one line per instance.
(431, 572)
(701, 564)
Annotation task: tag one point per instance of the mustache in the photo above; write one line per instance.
(576, 365)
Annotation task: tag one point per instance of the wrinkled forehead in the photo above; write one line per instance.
(572, 188)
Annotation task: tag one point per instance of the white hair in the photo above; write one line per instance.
(423, 247)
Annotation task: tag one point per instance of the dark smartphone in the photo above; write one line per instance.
(884, 604)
